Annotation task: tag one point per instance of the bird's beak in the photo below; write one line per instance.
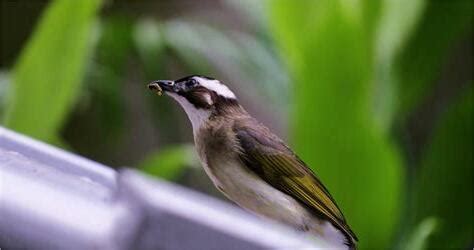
(162, 85)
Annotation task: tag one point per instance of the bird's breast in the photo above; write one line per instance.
(220, 159)
(219, 154)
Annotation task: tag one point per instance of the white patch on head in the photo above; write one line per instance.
(197, 116)
(216, 86)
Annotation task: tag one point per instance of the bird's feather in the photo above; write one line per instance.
(269, 157)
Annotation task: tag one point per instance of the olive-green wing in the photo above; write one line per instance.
(274, 162)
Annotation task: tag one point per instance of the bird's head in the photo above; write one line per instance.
(201, 97)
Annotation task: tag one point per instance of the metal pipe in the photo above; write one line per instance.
(52, 199)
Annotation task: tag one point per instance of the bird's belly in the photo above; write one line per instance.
(252, 193)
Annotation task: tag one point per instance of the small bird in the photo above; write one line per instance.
(252, 166)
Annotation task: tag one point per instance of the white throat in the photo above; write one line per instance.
(197, 116)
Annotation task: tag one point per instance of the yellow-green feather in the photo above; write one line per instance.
(274, 162)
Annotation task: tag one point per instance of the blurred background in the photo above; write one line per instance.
(376, 96)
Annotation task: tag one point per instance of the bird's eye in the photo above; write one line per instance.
(191, 83)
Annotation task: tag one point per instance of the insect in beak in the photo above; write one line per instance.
(155, 87)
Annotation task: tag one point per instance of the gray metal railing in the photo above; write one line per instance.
(52, 199)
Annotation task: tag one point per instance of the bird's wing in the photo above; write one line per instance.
(268, 156)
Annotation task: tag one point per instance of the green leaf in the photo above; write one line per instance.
(169, 163)
(420, 235)
(48, 73)
(443, 188)
(443, 25)
(328, 50)
(398, 19)
(107, 73)
(149, 42)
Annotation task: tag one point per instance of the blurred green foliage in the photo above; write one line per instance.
(333, 113)
(47, 77)
(395, 25)
(359, 70)
(350, 82)
(419, 63)
(444, 185)
(419, 237)
(107, 71)
(170, 161)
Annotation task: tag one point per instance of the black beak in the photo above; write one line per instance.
(159, 85)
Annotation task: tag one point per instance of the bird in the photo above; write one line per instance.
(252, 166)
